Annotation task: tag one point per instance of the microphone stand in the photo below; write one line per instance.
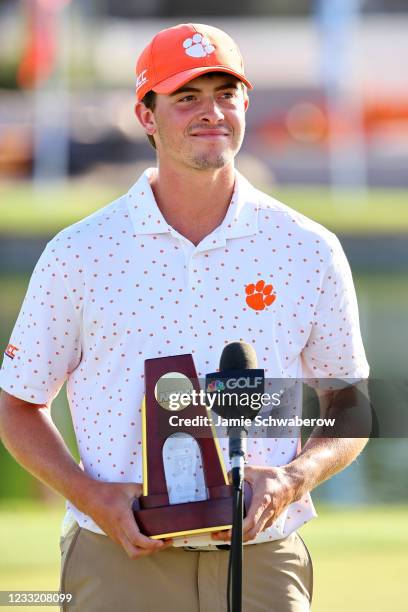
(237, 449)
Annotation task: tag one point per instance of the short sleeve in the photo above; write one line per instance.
(45, 343)
(335, 347)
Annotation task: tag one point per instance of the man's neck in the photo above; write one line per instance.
(196, 202)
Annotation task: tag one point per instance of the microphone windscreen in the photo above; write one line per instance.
(238, 356)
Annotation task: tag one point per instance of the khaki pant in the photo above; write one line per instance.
(277, 577)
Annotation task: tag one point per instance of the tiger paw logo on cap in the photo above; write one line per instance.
(259, 296)
(198, 46)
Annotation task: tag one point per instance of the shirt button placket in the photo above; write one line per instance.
(192, 272)
(188, 250)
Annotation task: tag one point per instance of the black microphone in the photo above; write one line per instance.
(237, 381)
(234, 386)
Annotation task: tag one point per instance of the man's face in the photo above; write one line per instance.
(202, 124)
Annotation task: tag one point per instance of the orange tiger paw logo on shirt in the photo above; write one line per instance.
(259, 296)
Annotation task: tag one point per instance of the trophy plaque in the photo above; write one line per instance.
(154, 514)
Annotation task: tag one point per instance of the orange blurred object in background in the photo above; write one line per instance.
(40, 52)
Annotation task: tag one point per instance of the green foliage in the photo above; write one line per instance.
(8, 75)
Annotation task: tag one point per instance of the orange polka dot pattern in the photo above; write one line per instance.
(122, 286)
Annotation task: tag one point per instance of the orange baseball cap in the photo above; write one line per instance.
(182, 53)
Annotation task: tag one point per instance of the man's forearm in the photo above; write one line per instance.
(33, 440)
(320, 459)
(329, 451)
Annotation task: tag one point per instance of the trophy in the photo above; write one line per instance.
(154, 514)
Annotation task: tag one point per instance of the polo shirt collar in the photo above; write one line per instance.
(242, 215)
(241, 218)
(143, 209)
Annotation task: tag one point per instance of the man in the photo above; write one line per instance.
(191, 258)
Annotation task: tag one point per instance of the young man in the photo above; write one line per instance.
(191, 258)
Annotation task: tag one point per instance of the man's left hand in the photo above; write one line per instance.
(272, 491)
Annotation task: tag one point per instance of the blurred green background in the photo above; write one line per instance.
(322, 136)
(359, 555)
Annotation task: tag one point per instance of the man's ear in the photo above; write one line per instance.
(146, 118)
(246, 98)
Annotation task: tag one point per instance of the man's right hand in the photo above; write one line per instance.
(109, 504)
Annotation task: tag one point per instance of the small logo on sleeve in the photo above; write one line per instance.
(259, 296)
(11, 351)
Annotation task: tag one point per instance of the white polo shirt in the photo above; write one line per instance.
(122, 286)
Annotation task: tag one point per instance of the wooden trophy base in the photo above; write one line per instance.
(190, 518)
